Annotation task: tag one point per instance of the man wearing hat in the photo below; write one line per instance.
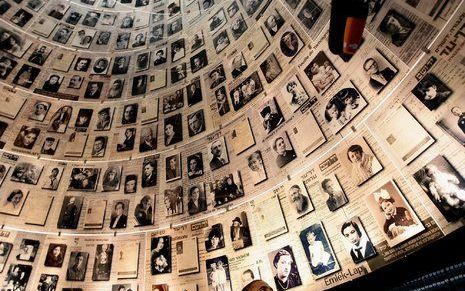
(270, 120)
(240, 235)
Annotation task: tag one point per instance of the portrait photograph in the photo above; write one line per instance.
(112, 178)
(217, 21)
(332, 189)
(444, 186)
(199, 61)
(12, 202)
(197, 41)
(83, 119)
(214, 237)
(239, 231)
(232, 9)
(28, 250)
(290, 43)
(13, 43)
(356, 241)
(194, 92)
(226, 189)
(174, 101)
(178, 73)
(139, 40)
(173, 200)
(126, 139)
(104, 119)
(130, 184)
(26, 76)
(130, 112)
(4, 169)
(452, 121)
(21, 17)
(271, 68)
(39, 111)
(318, 251)
(62, 34)
(197, 201)
(47, 282)
(217, 153)
(283, 151)
(119, 214)
(294, 93)
(121, 287)
(298, 197)
(221, 41)
(309, 13)
(156, 33)
(321, 72)
(144, 211)
(270, 114)
(283, 265)
(77, 266)
(122, 41)
(17, 276)
(173, 168)
(222, 103)
(52, 177)
(99, 146)
(175, 26)
(139, 85)
(343, 107)
(237, 65)
(93, 90)
(393, 214)
(101, 66)
(84, 179)
(360, 161)
(40, 55)
(6, 66)
(431, 91)
(73, 17)
(274, 22)
(396, 27)
(218, 274)
(256, 167)
(178, 50)
(379, 71)
(70, 212)
(120, 65)
(195, 165)
(83, 38)
(149, 172)
(247, 90)
(82, 64)
(55, 255)
(148, 138)
(103, 38)
(5, 250)
(102, 262)
(238, 26)
(173, 129)
(160, 255)
(27, 173)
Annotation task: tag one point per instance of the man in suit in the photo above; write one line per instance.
(119, 219)
(77, 271)
(217, 161)
(239, 233)
(300, 201)
(149, 175)
(378, 79)
(194, 94)
(196, 204)
(362, 248)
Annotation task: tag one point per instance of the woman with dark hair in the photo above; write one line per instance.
(286, 276)
(143, 211)
(362, 163)
(289, 44)
(60, 119)
(26, 137)
(15, 198)
(55, 256)
(128, 142)
(111, 179)
(52, 84)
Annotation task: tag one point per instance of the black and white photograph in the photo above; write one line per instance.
(159, 56)
(173, 199)
(444, 186)
(274, 22)
(226, 189)
(217, 153)
(112, 178)
(139, 85)
(21, 17)
(335, 195)
(83, 38)
(174, 8)
(27, 173)
(393, 215)
(17, 277)
(295, 94)
(82, 64)
(40, 55)
(283, 265)
(5, 249)
(149, 172)
(99, 147)
(271, 115)
(196, 123)
(299, 199)
(309, 14)
(271, 68)
(173, 102)
(28, 250)
(52, 177)
(360, 161)
(104, 118)
(143, 211)
(452, 121)
(77, 265)
(206, 4)
(198, 61)
(127, 21)
(197, 201)
(175, 26)
(130, 184)
(26, 76)
(218, 274)
(173, 129)
(103, 38)
(194, 92)
(27, 137)
(238, 65)
(195, 165)
(93, 90)
(246, 91)
(378, 70)
(283, 151)
(70, 212)
(13, 43)
(173, 168)
(216, 76)
(214, 238)
(55, 255)
(217, 21)
(178, 73)
(84, 179)
(119, 214)
(62, 34)
(102, 262)
(127, 137)
(148, 138)
(221, 41)
(39, 111)
(122, 40)
(222, 103)
(178, 50)
(321, 72)
(115, 89)
(343, 107)
(318, 250)
(156, 33)
(396, 27)
(91, 18)
(238, 27)
(120, 65)
(356, 241)
(232, 9)
(53, 83)
(101, 66)
(431, 91)
(73, 17)
(160, 255)
(129, 115)
(256, 167)
(290, 43)
(139, 40)
(6, 66)
(83, 119)
(4, 169)
(47, 282)
(197, 41)
(239, 232)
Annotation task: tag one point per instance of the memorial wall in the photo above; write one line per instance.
(202, 144)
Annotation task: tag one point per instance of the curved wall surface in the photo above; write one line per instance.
(201, 144)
